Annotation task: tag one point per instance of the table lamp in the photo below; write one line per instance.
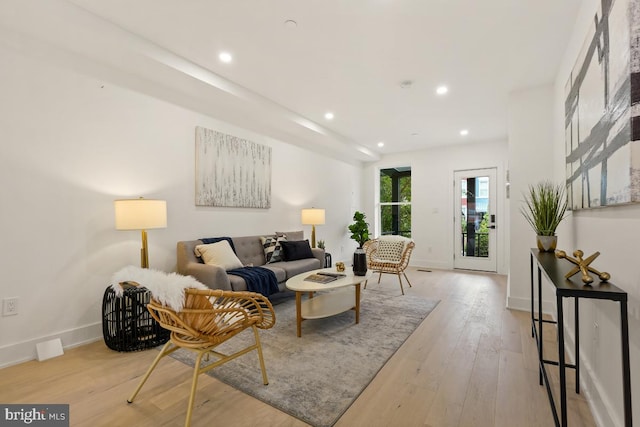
(312, 217)
(141, 214)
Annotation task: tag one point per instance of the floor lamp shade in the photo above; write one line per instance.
(312, 217)
(141, 214)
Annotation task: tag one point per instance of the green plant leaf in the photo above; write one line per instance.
(545, 207)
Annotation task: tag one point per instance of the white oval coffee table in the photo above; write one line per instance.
(344, 295)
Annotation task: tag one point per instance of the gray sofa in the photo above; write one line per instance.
(250, 251)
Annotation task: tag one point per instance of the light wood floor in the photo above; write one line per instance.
(470, 363)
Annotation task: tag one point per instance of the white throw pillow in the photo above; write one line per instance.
(220, 254)
(391, 248)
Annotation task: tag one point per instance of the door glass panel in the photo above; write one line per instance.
(474, 216)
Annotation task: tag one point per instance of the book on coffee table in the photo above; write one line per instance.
(336, 275)
(320, 278)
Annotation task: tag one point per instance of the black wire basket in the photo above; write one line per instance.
(127, 325)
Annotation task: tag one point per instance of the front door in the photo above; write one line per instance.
(475, 220)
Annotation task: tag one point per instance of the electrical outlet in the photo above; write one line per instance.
(10, 306)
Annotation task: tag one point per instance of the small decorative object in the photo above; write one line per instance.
(582, 265)
(546, 208)
(340, 266)
(321, 244)
(359, 233)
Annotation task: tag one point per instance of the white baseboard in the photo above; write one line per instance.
(12, 354)
(426, 264)
(524, 304)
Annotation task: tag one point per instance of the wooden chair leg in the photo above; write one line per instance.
(407, 279)
(365, 284)
(400, 280)
(265, 380)
(194, 384)
(379, 277)
(165, 351)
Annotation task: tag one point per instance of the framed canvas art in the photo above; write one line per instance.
(231, 171)
(601, 111)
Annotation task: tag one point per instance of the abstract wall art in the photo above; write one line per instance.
(231, 171)
(602, 109)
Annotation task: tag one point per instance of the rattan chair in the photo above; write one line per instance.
(209, 318)
(379, 263)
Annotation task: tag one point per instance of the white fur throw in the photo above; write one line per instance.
(167, 288)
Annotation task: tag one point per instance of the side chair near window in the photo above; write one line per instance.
(390, 255)
(199, 319)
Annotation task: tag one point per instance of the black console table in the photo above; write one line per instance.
(555, 270)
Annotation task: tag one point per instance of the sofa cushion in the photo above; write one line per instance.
(272, 246)
(249, 249)
(280, 273)
(293, 268)
(238, 283)
(219, 254)
(291, 235)
(292, 251)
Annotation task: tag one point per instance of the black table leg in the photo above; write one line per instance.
(561, 362)
(626, 374)
(540, 352)
(533, 324)
(577, 348)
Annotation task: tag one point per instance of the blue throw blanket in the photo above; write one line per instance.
(258, 279)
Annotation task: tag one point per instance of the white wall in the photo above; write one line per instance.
(531, 150)
(70, 144)
(615, 233)
(432, 196)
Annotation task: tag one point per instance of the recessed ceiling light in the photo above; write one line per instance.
(405, 84)
(464, 132)
(328, 115)
(441, 90)
(290, 23)
(225, 57)
(380, 144)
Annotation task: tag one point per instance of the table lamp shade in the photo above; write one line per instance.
(312, 216)
(140, 214)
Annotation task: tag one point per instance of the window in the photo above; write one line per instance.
(395, 201)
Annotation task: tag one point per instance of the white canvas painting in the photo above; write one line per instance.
(602, 123)
(231, 171)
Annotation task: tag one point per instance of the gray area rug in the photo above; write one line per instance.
(318, 376)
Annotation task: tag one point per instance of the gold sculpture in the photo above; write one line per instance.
(583, 266)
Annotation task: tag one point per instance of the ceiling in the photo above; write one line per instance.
(351, 56)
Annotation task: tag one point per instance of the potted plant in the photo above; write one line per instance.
(546, 207)
(359, 229)
(360, 233)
